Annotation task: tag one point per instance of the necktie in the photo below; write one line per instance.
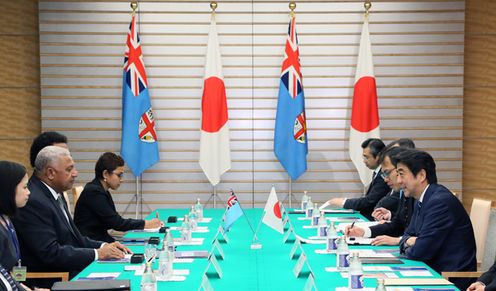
(61, 202)
(9, 278)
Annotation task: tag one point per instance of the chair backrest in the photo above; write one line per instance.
(76, 191)
(479, 215)
(490, 247)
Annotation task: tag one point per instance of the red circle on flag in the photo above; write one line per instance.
(214, 105)
(277, 210)
(365, 113)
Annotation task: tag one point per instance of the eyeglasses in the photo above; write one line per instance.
(120, 175)
(385, 174)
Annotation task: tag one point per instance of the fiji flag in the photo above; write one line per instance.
(139, 140)
(290, 135)
(233, 211)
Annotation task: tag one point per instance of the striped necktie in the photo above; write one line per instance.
(9, 278)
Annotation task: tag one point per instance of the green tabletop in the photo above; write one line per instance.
(268, 268)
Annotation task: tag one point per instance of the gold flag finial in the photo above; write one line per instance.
(213, 5)
(367, 5)
(134, 6)
(292, 6)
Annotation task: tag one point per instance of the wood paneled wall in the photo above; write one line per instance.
(479, 126)
(418, 58)
(19, 79)
(20, 102)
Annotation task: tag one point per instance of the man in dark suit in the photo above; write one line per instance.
(486, 282)
(377, 188)
(49, 239)
(388, 233)
(440, 232)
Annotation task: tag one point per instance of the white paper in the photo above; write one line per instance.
(205, 220)
(310, 226)
(180, 272)
(324, 252)
(399, 289)
(346, 289)
(103, 275)
(317, 237)
(147, 230)
(416, 273)
(134, 267)
(174, 278)
(367, 253)
(377, 269)
(364, 224)
(359, 240)
(193, 242)
(201, 229)
(183, 261)
(391, 275)
(331, 269)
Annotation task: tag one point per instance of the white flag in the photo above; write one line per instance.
(364, 112)
(272, 212)
(215, 153)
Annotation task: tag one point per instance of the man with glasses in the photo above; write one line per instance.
(389, 203)
(440, 232)
(388, 233)
(377, 188)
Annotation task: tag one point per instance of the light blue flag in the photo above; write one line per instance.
(139, 146)
(232, 214)
(233, 211)
(290, 133)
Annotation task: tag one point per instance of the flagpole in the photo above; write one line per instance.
(290, 191)
(215, 198)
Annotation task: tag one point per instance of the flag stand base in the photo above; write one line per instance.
(138, 201)
(214, 197)
(255, 245)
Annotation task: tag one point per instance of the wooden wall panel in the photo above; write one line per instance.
(19, 79)
(418, 57)
(479, 179)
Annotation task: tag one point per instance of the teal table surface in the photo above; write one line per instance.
(268, 268)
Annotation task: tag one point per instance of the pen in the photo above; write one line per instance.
(352, 224)
(157, 216)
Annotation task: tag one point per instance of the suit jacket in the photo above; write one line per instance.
(48, 241)
(399, 222)
(95, 214)
(489, 278)
(390, 201)
(377, 189)
(445, 237)
(8, 259)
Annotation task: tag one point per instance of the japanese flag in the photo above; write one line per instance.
(272, 212)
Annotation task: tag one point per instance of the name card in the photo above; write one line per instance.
(296, 245)
(216, 246)
(212, 261)
(205, 284)
(287, 234)
(310, 284)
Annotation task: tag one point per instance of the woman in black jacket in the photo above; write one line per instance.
(95, 211)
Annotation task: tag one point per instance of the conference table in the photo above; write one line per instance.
(243, 268)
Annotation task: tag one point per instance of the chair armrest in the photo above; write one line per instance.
(447, 275)
(64, 276)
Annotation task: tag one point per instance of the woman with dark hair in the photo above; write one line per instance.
(95, 211)
(14, 193)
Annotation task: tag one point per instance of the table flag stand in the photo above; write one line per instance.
(255, 243)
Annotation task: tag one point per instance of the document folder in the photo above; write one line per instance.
(95, 285)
